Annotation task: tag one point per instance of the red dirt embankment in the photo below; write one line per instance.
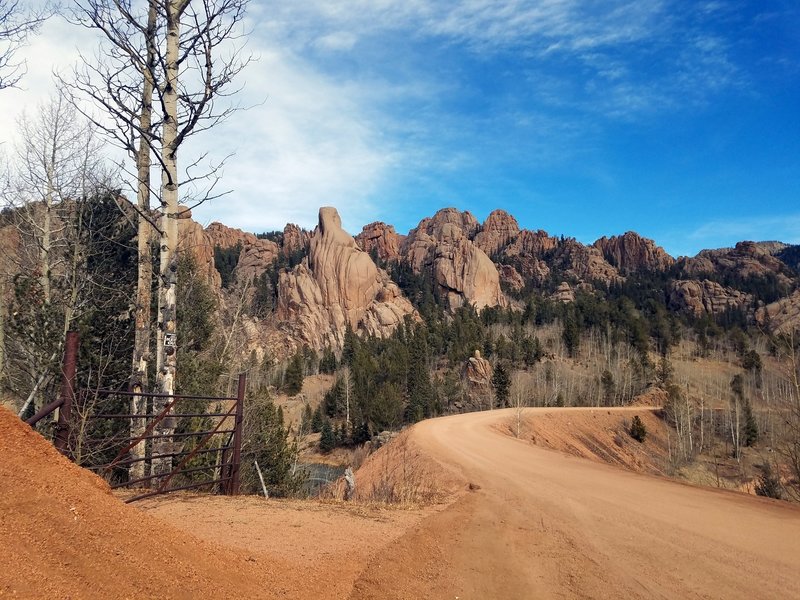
(63, 535)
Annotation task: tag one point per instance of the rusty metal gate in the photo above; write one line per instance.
(176, 443)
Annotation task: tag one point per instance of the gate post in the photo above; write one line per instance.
(237, 437)
(68, 371)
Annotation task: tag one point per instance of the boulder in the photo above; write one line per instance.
(478, 371)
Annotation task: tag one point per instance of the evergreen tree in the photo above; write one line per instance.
(361, 434)
(293, 383)
(317, 421)
(266, 440)
(638, 431)
(751, 433)
(327, 440)
(501, 383)
(570, 333)
(420, 390)
(609, 387)
(334, 399)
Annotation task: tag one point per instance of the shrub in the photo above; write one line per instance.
(638, 431)
(768, 484)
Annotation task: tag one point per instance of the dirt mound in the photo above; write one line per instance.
(597, 434)
(402, 473)
(63, 535)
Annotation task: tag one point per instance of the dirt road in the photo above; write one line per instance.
(540, 524)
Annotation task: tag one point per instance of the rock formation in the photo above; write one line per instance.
(382, 239)
(746, 259)
(510, 277)
(462, 272)
(631, 253)
(699, 297)
(498, 231)
(564, 293)
(782, 316)
(478, 371)
(295, 240)
(336, 287)
(256, 255)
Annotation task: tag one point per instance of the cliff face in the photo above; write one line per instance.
(463, 273)
(255, 257)
(338, 286)
(631, 253)
(381, 239)
(699, 297)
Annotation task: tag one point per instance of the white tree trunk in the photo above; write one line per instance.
(141, 348)
(167, 344)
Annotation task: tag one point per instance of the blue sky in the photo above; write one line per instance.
(680, 120)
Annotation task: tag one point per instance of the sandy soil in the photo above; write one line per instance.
(320, 548)
(540, 524)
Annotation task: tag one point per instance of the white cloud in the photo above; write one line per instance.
(308, 141)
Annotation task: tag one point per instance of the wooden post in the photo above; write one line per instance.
(68, 371)
(237, 436)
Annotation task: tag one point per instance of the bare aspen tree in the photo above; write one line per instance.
(171, 61)
(519, 399)
(57, 167)
(120, 82)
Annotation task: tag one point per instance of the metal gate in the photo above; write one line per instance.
(177, 443)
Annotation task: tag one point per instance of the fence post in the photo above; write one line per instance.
(68, 371)
(237, 436)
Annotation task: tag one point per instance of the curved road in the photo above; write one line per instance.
(540, 524)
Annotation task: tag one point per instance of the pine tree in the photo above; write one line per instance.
(571, 333)
(420, 390)
(293, 384)
(317, 421)
(501, 384)
(750, 425)
(327, 440)
(638, 431)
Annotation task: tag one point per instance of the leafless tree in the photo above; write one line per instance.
(159, 78)
(16, 25)
(58, 165)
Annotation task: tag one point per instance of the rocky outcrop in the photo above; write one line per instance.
(295, 240)
(585, 263)
(478, 371)
(564, 293)
(462, 272)
(536, 254)
(510, 277)
(336, 287)
(746, 259)
(706, 297)
(498, 231)
(631, 252)
(782, 316)
(255, 257)
(381, 239)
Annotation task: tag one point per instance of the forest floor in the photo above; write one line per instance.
(481, 514)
